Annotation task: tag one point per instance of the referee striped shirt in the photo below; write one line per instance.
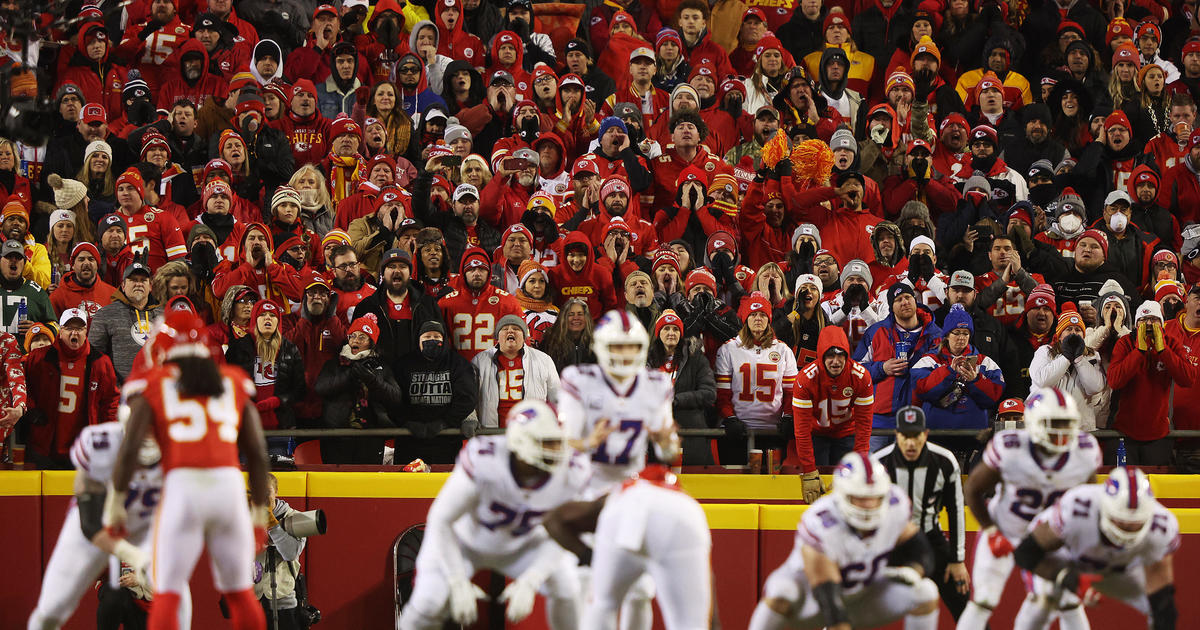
(933, 482)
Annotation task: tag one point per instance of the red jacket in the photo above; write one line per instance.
(592, 283)
(309, 136)
(845, 233)
(1180, 192)
(71, 294)
(454, 43)
(940, 196)
(503, 201)
(275, 281)
(175, 87)
(1143, 380)
(100, 82)
(1187, 397)
(94, 401)
(318, 340)
(669, 165)
(357, 205)
(643, 236)
(831, 407)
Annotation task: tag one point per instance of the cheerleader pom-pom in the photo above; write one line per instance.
(812, 159)
(775, 149)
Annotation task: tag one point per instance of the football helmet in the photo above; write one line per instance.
(860, 488)
(1052, 419)
(178, 334)
(535, 435)
(148, 453)
(618, 327)
(1126, 507)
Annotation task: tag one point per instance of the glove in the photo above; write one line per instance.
(1160, 343)
(902, 575)
(270, 403)
(856, 295)
(997, 542)
(463, 594)
(1072, 347)
(783, 168)
(470, 427)
(519, 596)
(135, 558)
(1070, 580)
(811, 486)
(149, 28)
(734, 428)
(715, 210)
(114, 512)
(786, 428)
(258, 518)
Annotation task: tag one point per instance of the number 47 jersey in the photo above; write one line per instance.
(588, 397)
(195, 431)
(1031, 481)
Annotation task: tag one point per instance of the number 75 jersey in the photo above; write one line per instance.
(588, 396)
(1031, 481)
(195, 431)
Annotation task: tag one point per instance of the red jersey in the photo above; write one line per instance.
(511, 375)
(157, 231)
(471, 319)
(195, 431)
(831, 407)
(1010, 308)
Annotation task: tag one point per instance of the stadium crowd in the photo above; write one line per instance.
(410, 215)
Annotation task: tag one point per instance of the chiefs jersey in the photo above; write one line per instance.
(756, 379)
(506, 516)
(589, 396)
(155, 232)
(471, 319)
(1076, 520)
(1031, 481)
(195, 431)
(859, 558)
(1009, 309)
(94, 454)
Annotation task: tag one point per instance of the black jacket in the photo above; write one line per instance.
(289, 374)
(341, 383)
(695, 394)
(436, 394)
(398, 338)
(452, 226)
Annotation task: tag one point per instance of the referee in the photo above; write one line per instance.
(930, 476)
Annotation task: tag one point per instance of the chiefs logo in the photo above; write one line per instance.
(301, 147)
(493, 300)
(773, 356)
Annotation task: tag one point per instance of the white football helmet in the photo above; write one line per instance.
(860, 489)
(1052, 419)
(535, 435)
(148, 453)
(618, 327)
(1126, 507)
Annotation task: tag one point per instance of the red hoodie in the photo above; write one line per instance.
(100, 82)
(591, 283)
(175, 87)
(832, 407)
(308, 135)
(275, 281)
(1143, 382)
(522, 80)
(456, 43)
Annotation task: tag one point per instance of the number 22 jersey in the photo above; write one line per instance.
(1031, 481)
(195, 431)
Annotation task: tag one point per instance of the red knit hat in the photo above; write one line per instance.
(1099, 236)
(342, 125)
(692, 173)
(368, 325)
(754, 303)
(666, 256)
(668, 318)
(835, 18)
(85, 247)
(264, 306)
(1126, 53)
(1117, 119)
(1041, 295)
(133, 177)
(1117, 28)
(700, 276)
(516, 228)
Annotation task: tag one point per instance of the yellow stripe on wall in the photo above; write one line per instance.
(20, 483)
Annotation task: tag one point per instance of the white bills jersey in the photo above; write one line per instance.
(1076, 520)
(506, 514)
(588, 396)
(1032, 481)
(859, 558)
(94, 454)
(756, 378)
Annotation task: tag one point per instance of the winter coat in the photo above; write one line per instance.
(592, 283)
(1081, 378)
(71, 294)
(175, 87)
(43, 374)
(437, 394)
(101, 82)
(341, 385)
(318, 341)
(276, 281)
(289, 374)
(1141, 383)
(878, 345)
(452, 226)
(831, 407)
(541, 381)
(950, 402)
(695, 395)
(398, 338)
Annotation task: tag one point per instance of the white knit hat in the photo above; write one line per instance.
(68, 193)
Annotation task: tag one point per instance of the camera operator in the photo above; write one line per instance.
(277, 567)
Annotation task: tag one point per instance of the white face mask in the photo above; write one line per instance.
(1070, 223)
(1118, 222)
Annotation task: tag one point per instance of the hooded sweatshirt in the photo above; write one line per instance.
(101, 82)
(71, 294)
(832, 407)
(591, 283)
(455, 43)
(274, 281)
(178, 87)
(471, 316)
(416, 101)
(262, 48)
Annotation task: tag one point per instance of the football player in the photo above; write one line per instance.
(203, 417)
(612, 409)
(858, 561)
(648, 525)
(1028, 470)
(489, 516)
(83, 544)
(1114, 539)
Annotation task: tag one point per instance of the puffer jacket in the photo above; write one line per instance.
(357, 392)
(541, 382)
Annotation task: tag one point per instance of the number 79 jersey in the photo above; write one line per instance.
(1076, 520)
(587, 396)
(195, 431)
(94, 454)
(1029, 483)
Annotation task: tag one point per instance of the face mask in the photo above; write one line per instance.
(920, 167)
(977, 197)
(983, 164)
(308, 197)
(879, 133)
(432, 348)
(1117, 222)
(140, 112)
(1069, 223)
(1041, 195)
(1171, 309)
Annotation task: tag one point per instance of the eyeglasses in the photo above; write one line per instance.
(409, 70)
(346, 266)
(544, 79)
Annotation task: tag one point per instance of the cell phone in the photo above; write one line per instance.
(512, 163)
(452, 160)
(984, 232)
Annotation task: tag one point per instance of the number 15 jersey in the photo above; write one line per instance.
(588, 396)
(1031, 481)
(195, 431)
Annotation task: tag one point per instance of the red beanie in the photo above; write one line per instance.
(668, 318)
(368, 325)
(133, 177)
(755, 303)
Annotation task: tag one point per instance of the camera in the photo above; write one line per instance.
(305, 524)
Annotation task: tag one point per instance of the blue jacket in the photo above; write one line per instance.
(878, 345)
(950, 403)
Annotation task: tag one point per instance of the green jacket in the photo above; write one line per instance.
(751, 148)
(37, 302)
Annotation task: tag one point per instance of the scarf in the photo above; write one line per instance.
(345, 173)
(530, 304)
(359, 418)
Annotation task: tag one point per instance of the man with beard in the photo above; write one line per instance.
(195, 79)
(122, 328)
(834, 71)
(616, 154)
(149, 232)
(1107, 163)
(1036, 144)
(688, 131)
(16, 290)
(1146, 213)
(989, 336)
(65, 155)
(318, 333)
(766, 123)
(351, 284)
(380, 231)
(596, 85)
(14, 225)
(152, 42)
(1008, 186)
(461, 226)
(999, 54)
(1081, 283)
(1033, 330)
(472, 311)
(615, 203)
(401, 311)
(952, 159)
(82, 287)
(505, 197)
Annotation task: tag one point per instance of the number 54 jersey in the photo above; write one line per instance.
(507, 515)
(1030, 481)
(195, 431)
(588, 397)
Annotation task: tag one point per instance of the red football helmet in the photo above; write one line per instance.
(177, 334)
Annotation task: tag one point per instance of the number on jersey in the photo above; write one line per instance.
(188, 420)
(633, 428)
(473, 331)
(761, 386)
